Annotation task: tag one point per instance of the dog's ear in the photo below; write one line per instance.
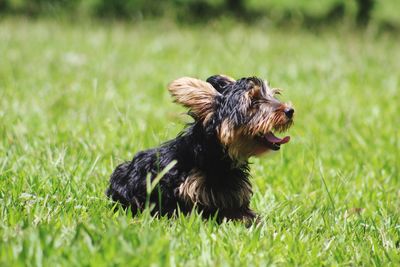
(220, 82)
(197, 95)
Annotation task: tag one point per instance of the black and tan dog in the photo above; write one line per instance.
(233, 120)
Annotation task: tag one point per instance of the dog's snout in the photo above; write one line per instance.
(289, 112)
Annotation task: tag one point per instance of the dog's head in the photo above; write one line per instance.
(244, 114)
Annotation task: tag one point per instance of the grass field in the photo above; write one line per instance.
(78, 98)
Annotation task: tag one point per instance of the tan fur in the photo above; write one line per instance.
(239, 142)
(226, 132)
(244, 147)
(239, 145)
(277, 121)
(195, 191)
(194, 94)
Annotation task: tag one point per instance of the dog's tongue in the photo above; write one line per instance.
(276, 140)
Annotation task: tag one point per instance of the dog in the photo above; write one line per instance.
(233, 121)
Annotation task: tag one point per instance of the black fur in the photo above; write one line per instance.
(197, 147)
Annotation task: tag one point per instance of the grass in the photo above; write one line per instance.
(77, 99)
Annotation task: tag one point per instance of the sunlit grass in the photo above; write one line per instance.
(77, 99)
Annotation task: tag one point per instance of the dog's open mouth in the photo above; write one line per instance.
(271, 141)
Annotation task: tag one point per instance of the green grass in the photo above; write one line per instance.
(77, 99)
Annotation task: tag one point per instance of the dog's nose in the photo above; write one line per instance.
(289, 112)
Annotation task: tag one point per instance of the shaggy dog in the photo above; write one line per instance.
(233, 121)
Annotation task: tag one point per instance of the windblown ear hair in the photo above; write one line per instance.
(194, 94)
(220, 82)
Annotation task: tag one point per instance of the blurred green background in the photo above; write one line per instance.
(311, 12)
(83, 88)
